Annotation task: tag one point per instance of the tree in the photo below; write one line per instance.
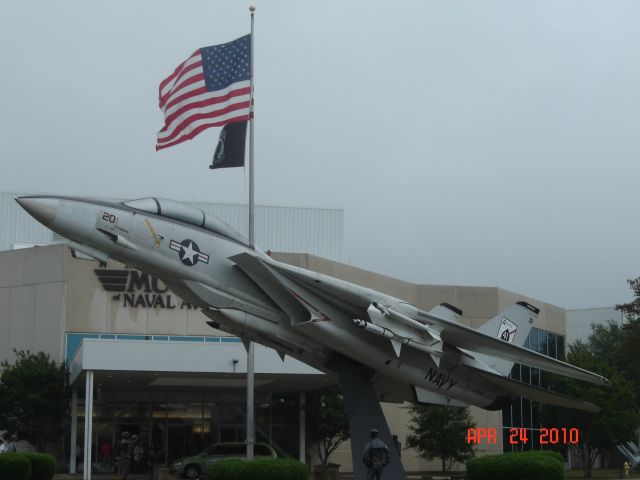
(616, 345)
(632, 309)
(618, 418)
(34, 397)
(327, 426)
(626, 358)
(440, 432)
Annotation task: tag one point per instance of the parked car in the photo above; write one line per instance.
(196, 466)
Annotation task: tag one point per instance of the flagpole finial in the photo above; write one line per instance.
(252, 8)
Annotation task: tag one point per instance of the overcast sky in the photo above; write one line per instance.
(490, 143)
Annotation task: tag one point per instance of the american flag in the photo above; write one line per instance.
(209, 89)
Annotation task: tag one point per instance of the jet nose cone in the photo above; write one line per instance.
(43, 209)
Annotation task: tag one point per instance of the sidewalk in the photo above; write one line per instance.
(100, 476)
(111, 476)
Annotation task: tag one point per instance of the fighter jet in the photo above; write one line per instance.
(418, 356)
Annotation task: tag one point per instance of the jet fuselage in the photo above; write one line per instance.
(309, 316)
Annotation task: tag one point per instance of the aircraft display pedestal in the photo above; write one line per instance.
(364, 413)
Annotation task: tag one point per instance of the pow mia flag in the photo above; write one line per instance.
(230, 149)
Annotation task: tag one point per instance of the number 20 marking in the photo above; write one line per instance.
(108, 217)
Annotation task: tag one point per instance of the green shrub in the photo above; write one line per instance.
(14, 466)
(43, 466)
(551, 454)
(540, 465)
(258, 469)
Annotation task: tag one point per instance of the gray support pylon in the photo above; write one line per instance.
(364, 413)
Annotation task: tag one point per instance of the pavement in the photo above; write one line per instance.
(107, 476)
(100, 476)
(111, 476)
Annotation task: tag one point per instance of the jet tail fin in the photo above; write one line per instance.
(512, 326)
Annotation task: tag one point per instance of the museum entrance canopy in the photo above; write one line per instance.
(180, 395)
(186, 364)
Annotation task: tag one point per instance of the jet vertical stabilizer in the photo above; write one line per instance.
(512, 326)
(447, 311)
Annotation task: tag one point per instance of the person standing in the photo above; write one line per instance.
(106, 452)
(125, 452)
(376, 456)
(3, 446)
(138, 455)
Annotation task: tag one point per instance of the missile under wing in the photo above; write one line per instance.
(417, 355)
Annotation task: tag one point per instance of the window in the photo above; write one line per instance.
(542, 342)
(553, 352)
(169, 208)
(526, 413)
(560, 347)
(533, 340)
(535, 376)
(516, 408)
(522, 412)
(535, 417)
(506, 417)
(145, 204)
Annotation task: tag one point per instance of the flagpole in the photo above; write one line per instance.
(250, 351)
(251, 150)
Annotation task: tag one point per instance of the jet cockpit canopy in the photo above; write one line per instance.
(186, 213)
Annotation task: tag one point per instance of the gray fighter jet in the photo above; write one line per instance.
(421, 356)
(308, 315)
(414, 355)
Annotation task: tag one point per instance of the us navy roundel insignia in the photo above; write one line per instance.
(189, 252)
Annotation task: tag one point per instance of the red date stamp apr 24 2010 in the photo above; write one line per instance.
(523, 436)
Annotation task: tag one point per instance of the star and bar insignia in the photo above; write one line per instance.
(189, 252)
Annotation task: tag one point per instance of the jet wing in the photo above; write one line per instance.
(470, 339)
(355, 300)
(536, 393)
(277, 285)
